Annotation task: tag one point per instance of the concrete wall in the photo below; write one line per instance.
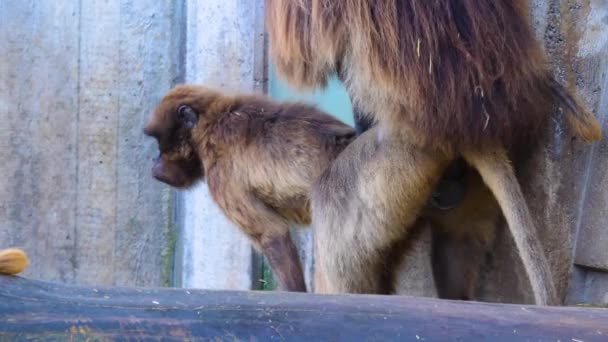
(583, 195)
(77, 80)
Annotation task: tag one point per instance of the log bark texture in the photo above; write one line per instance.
(36, 310)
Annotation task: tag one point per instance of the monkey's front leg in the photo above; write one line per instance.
(364, 203)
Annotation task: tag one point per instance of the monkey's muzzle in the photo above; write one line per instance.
(160, 172)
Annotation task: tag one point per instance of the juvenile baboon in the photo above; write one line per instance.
(258, 157)
(443, 79)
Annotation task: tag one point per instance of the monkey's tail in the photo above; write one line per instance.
(497, 172)
(12, 261)
(582, 121)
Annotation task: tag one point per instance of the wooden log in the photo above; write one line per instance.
(35, 310)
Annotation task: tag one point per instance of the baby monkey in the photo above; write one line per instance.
(258, 157)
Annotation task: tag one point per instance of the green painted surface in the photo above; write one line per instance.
(333, 99)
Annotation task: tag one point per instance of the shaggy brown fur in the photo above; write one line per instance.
(442, 78)
(426, 61)
(259, 158)
(463, 215)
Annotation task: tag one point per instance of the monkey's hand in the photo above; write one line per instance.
(12, 261)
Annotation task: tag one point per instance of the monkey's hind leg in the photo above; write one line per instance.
(363, 204)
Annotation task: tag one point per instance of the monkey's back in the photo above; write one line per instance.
(281, 149)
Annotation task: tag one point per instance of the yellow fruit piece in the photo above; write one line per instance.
(12, 261)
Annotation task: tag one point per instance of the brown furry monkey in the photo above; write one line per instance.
(258, 157)
(444, 79)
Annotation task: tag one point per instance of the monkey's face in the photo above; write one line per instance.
(171, 124)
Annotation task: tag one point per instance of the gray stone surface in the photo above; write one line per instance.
(77, 81)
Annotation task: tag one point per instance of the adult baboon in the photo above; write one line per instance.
(444, 79)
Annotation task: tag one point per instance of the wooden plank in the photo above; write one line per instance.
(39, 46)
(40, 310)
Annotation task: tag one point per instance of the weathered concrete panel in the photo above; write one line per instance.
(151, 61)
(303, 239)
(77, 80)
(97, 136)
(39, 46)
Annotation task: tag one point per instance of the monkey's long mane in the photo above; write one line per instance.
(461, 71)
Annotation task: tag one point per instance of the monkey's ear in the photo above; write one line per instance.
(187, 116)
